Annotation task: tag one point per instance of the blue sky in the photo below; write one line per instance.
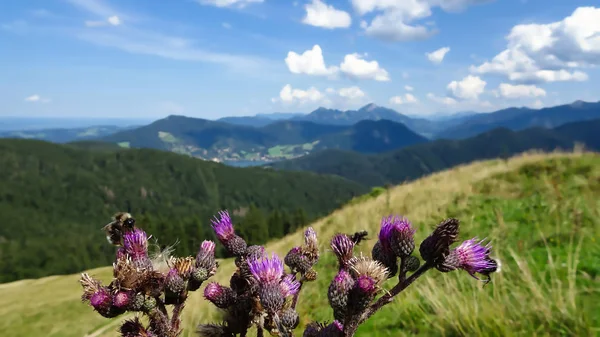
(214, 58)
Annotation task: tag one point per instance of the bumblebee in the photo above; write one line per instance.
(358, 237)
(121, 223)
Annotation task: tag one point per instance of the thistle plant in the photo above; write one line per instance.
(261, 293)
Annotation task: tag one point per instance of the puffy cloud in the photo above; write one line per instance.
(410, 98)
(310, 62)
(290, 95)
(406, 99)
(114, 20)
(437, 56)
(510, 91)
(550, 52)
(353, 92)
(342, 97)
(37, 99)
(228, 3)
(320, 14)
(356, 67)
(468, 88)
(395, 21)
(408, 88)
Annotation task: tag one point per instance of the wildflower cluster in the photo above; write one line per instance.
(359, 280)
(145, 284)
(261, 295)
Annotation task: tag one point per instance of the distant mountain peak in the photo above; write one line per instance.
(369, 107)
(577, 103)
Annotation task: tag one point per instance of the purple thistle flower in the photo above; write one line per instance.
(220, 296)
(223, 226)
(121, 299)
(207, 248)
(101, 300)
(266, 270)
(473, 256)
(135, 243)
(397, 236)
(289, 285)
(366, 284)
(342, 247)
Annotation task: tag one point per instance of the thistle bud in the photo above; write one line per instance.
(271, 297)
(397, 236)
(412, 263)
(342, 247)
(226, 234)
(338, 293)
(297, 261)
(174, 283)
(436, 246)
(222, 297)
(137, 302)
(289, 318)
(255, 252)
(149, 304)
(205, 258)
(390, 261)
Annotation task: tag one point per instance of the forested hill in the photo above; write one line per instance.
(415, 161)
(54, 200)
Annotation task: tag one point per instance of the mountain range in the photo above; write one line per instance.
(412, 162)
(264, 138)
(276, 141)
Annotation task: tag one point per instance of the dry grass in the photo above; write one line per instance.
(531, 296)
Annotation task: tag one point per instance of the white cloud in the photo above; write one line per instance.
(410, 98)
(114, 20)
(406, 99)
(437, 56)
(37, 99)
(356, 67)
(320, 14)
(408, 88)
(226, 25)
(353, 92)
(520, 91)
(310, 62)
(468, 88)
(396, 18)
(340, 98)
(551, 52)
(228, 3)
(289, 95)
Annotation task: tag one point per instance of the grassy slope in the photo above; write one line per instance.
(541, 211)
